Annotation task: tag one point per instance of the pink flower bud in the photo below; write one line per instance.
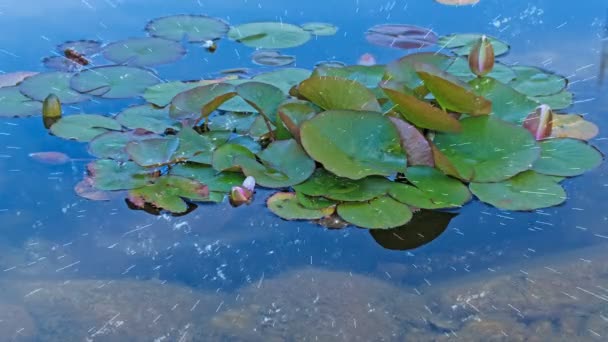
(540, 122)
(240, 195)
(481, 58)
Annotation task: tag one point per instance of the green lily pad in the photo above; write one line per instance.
(380, 213)
(161, 94)
(168, 193)
(573, 126)
(265, 98)
(193, 28)
(196, 147)
(113, 175)
(214, 180)
(286, 206)
(507, 103)
(148, 118)
(144, 51)
(269, 35)
(39, 86)
(460, 68)
(561, 100)
(84, 47)
(369, 76)
(200, 101)
(291, 117)
(113, 82)
(283, 163)
(489, 149)
(354, 144)
(401, 36)
(533, 81)
(403, 70)
(314, 202)
(152, 152)
(260, 128)
(231, 121)
(451, 93)
(461, 44)
(430, 189)
(566, 157)
(247, 142)
(225, 157)
(338, 93)
(326, 184)
(526, 191)
(14, 104)
(111, 145)
(84, 127)
(320, 29)
(422, 113)
(272, 58)
(283, 79)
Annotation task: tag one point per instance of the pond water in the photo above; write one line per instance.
(74, 270)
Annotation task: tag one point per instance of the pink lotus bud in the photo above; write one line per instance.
(249, 183)
(367, 59)
(481, 58)
(539, 122)
(240, 195)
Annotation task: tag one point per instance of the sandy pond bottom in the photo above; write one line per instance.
(553, 299)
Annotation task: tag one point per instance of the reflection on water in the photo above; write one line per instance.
(78, 270)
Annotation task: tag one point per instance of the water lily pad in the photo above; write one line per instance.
(13, 78)
(369, 76)
(566, 157)
(422, 113)
(291, 117)
(144, 51)
(85, 189)
(354, 144)
(247, 142)
(148, 118)
(403, 70)
(193, 28)
(201, 101)
(380, 213)
(526, 191)
(196, 147)
(283, 79)
(461, 44)
(314, 202)
(561, 100)
(330, 64)
(113, 81)
(320, 29)
(114, 175)
(326, 184)
(430, 189)
(507, 103)
(234, 122)
(84, 127)
(338, 93)
(152, 152)
(269, 35)
(417, 149)
(225, 157)
(265, 98)
(272, 58)
(489, 149)
(14, 104)
(573, 126)
(451, 93)
(85, 47)
(39, 86)
(287, 206)
(533, 81)
(214, 180)
(161, 94)
(61, 63)
(111, 145)
(283, 163)
(460, 68)
(168, 193)
(401, 36)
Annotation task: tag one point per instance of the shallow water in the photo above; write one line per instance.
(71, 269)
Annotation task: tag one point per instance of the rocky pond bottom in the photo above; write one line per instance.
(551, 299)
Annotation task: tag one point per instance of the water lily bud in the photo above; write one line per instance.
(481, 58)
(540, 122)
(249, 183)
(51, 110)
(239, 195)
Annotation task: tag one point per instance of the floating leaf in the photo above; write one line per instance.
(561, 100)
(507, 103)
(401, 36)
(310, 202)
(113, 82)
(148, 118)
(460, 68)
(144, 51)
(61, 63)
(292, 115)
(404, 71)
(354, 144)
(39, 86)
(14, 104)
(380, 213)
(234, 122)
(323, 182)
(489, 149)
(152, 152)
(265, 98)
(533, 81)
(341, 189)
(114, 175)
(214, 180)
(84, 127)
(193, 28)
(461, 44)
(421, 113)
(430, 189)
(566, 157)
(84, 47)
(369, 76)
(451, 93)
(272, 58)
(320, 29)
(111, 145)
(225, 157)
(330, 64)
(416, 147)
(286, 206)
(526, 191)
(283, 79)
(53, 158)
(168, 193)
(269, 35)
(338, 93)
(573, 126)
(198, 148)
(201, 101)
(14, 78)
(161, 94)
(85, 189)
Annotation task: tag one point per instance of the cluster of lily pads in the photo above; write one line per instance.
(361, 145)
